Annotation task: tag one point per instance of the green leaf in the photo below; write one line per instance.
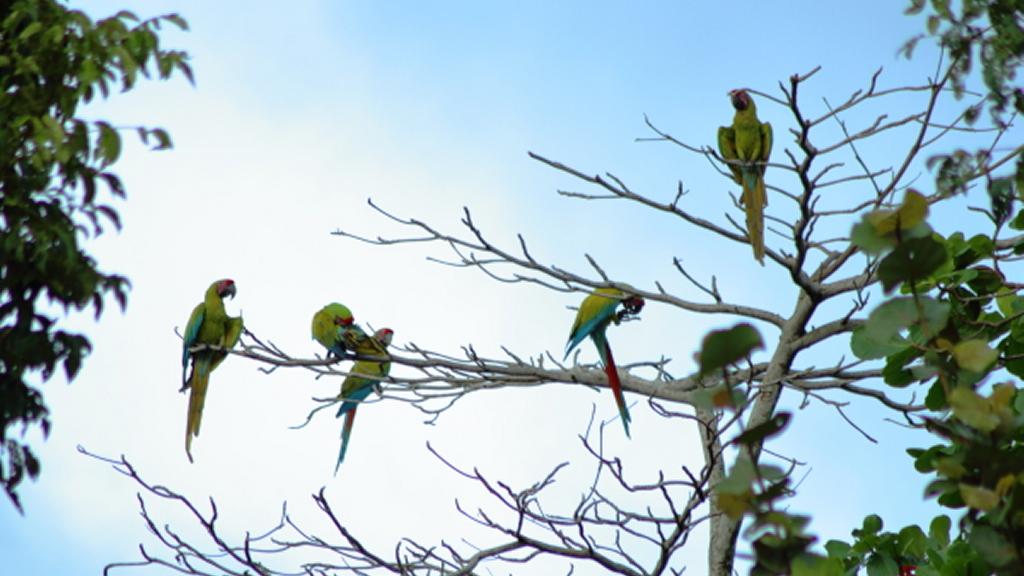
(29, 31)
(1009, 303)
(881, 564)
(992, 546)
(720, 396)
(865, 236)
(740, 478)
(907, 50)
(1013, 347)
(770, 473)
(764, 430)
(733, 505)
(723, 347)
(974, 355)
(951, 499)
(912, 542)
(72, 364)
(894, 374)
(887, 320)
(924, 460)
(867, 347)
(981, 246)
(177, 21)
(837, 549)
(31, 462)
(911, 213)
(911, 261)
(111, 215)
(54, 128)
(813, 565)
(951, 467)
(978, 497)
(972, 409)
(1001, 195)
(872, 524)
(943, 487)
(88, 72)
(938, 531)
(110, 143)
(955, 278)
(1018, 221)
(978, 247)
(987, 281)
(163, 140)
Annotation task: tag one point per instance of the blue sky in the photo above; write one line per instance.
(299, 115)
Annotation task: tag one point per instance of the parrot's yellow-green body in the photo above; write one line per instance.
(208, 324)
(748, 144)
(362, 379)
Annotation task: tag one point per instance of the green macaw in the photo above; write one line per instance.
(363, 378)
(597, 311)
(748, 142)
(208, 324)
(334, 328)
(328, 322)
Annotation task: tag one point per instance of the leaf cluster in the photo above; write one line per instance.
(956, 325)
(53, 166)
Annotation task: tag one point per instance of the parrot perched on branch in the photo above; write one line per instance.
(208, 324)
(355, 388)
(748, 142)
(327, 323)
(334, 328)
(595, 314)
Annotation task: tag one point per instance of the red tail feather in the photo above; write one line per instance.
(616, 385)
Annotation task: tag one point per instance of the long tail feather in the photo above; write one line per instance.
(346, 433)
(616, 385)
(754, 200)
(199, 382)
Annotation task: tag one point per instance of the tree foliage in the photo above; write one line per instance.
(956, 329)
(55, 182)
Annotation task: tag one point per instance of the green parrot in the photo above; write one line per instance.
(328, 322)
(334, 328)
(208, 324)
(357, 386)
(748, 141)
(597, 311)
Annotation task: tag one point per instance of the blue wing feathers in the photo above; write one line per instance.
(587, 328)
(191, 334)
(601, 342)
(352, 400)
